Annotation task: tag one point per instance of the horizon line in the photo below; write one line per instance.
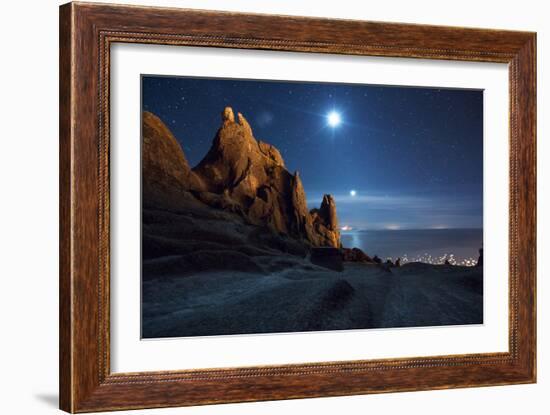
(411, 229)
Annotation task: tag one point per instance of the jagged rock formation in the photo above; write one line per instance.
(325, 223)
(239, 174)
(166, 172)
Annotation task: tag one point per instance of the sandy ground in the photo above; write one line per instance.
(288, 294)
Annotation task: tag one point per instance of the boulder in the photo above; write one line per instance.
(356, 255)
(327, 257)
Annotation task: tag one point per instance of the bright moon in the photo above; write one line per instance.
(352, 193)
(334, 119)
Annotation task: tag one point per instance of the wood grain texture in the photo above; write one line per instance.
(86, 33)
(65, 138)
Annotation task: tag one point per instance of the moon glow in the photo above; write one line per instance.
(334, 119)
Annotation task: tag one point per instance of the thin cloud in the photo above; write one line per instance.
(390, 211)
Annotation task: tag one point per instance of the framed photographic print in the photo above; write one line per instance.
(261, 207)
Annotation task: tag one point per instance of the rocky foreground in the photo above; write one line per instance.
(227, 249)
(225, 276)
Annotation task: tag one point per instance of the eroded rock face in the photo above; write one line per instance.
(166, 172)
(243, 175)
(325, 222)
(301, 221)
(271, 152)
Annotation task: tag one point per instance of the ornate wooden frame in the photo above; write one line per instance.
(86, 33)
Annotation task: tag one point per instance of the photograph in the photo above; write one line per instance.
(275, 206)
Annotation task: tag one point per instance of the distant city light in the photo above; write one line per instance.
(437, 260)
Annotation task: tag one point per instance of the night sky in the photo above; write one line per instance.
(400, 157)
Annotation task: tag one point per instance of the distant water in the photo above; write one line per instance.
(460, 246)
